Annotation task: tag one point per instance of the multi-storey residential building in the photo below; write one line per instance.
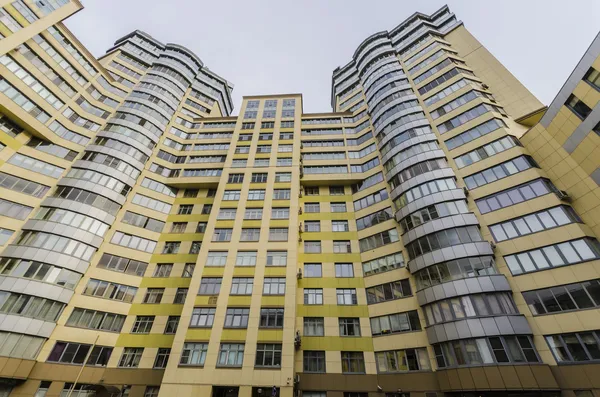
(435, 235)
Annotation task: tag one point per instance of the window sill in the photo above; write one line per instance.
(272, 368)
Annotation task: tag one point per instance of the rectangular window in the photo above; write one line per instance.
(231, 195)
(274, 286)
(241, 286)
(195, 247)
(349, 326)
(256, 194)
(268, 355)
(533, 223)
(343, 270)
(163, 270)
(353, 363)
(162, 357)
(142, 325)
(515, 195)
(231, 355)
(259, 177)
(216, 258)
(93, 319)
(281, 194)
(338, 207)
(185, 209)
(193, 353)
(578, 107)
(178, 227)
(312, 226)
(203, 317)
(188, 270)
(396, 323)
(378, 240)
(171, 247)
(577, 296)
(281, 177)
(172, 324)
(500, 171)
(222, 234)
(278, 234)
(280, 213)
(237, 317)
(154, 295)
(314, 361)
(246, 258)
(312, 270)
(271, 317)
(235, 178)
(342, 247)
(206, 209)
(226, 214)
(180, 295)
(131, 357)
(253, 213)
(566, 253)
(75, 353)
(276, 258)
(313, 296)
(336, 190)
(312, 247)
(250, 234)
(312, 207)
(394, 361)
(210, 286)
(339, 226)
(346, 296)
(108, 290)
(389, 291)
(314, 326)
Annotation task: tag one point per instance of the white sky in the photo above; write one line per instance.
(292, 46)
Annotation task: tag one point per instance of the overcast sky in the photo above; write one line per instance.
(292, 46)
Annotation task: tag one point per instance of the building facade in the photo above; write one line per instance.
(436, 234)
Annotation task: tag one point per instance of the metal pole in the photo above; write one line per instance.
(87, 356)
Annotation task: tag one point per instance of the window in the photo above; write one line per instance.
(283, 177)
(246, 258)
(239, 163)
(278, 234)
(336, 191)
(227, 214)
(93, 319)
(346, 296)
(490, 350)
(231, 195)
(349, 326)
(339, 226)
(75, 353)
(206, 209)
(285, 149)
(353, 363)
(280, 213)
(154, 295)
(592, 77)
(344, 270)
(312, 226)
(185, 209)
(14, 210)
(312, 247)
(142, 325)
(486, 151)
(474, 133)
(180, 295)
(131, 357)
(31, 164)
(515, 195)
(284, 162)
(311, 190)
(178, 227)
(237, 317)
(401, 361)
(203, 317)
(172, 324)
(314, 326)
(577, 296)
(162, 357)
(231, 355)
(312, 270)
(578, 107)
(271, 317)
(313, 296)
(454, 270)
(567, 253)
(426, 214)
(256, 194)
(210, 286)
(533, 223)
(263, 149)
(195, 247)
(501, 171)
(163, 270)
(188, 270)
(281, 194)
(379, 217)
(342, 247)
(389, 291)
(274, 286)
(235, 178)
(312, 207)
(395, 323)
(222, 235)
(190, 193)
(443, 239)
(268, 355)
(114, 291)
(313, 361)
(250, 234)
(193, 353)
(216, 258)
(253, 213)
(261, 162)
(241, 286)
(575, 347)
(171, 247)
(123, 265)
(338, 207)
(259, 177)
(151, 391)
(276, 258)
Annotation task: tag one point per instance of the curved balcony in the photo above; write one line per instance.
(479, 248)
(435, 225)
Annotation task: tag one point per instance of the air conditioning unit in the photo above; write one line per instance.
(300, 228)
(466, 191)
(299, 211)
(299, 274)
(296, 380)
(493, 245)
(485, 86)
(297, 340)
(564, 196)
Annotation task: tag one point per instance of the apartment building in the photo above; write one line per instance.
(436, 234)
